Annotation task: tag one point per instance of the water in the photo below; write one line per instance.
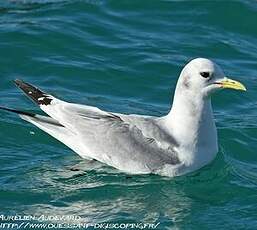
(125, 56)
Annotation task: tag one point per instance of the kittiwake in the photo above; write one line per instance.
(180, 142)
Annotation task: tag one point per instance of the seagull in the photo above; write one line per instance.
(180, 142)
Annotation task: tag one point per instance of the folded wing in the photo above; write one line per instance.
(105, 136)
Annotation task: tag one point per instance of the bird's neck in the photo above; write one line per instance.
(191, 123)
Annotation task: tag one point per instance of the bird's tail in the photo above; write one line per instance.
(18, 111)
(53, 128)
(28, 116)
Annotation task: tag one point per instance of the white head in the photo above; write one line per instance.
(202, 77)
(190, 120)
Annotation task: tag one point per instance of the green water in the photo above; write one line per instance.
(125, 56)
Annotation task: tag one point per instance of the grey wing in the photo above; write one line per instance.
(111, 140)
(105, 136)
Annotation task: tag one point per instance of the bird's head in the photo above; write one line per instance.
(202, 76)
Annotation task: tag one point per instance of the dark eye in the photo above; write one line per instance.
(205, 74)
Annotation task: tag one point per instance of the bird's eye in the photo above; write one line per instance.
(205, 74)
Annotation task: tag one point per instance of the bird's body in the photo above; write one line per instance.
(182, 141)
(134, 144)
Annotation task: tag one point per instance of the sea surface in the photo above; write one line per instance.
(125, 56)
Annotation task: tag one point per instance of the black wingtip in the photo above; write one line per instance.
(17, 111)
(38, 96)
(17, 82)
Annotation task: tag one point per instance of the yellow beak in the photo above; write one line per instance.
(227, 83)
